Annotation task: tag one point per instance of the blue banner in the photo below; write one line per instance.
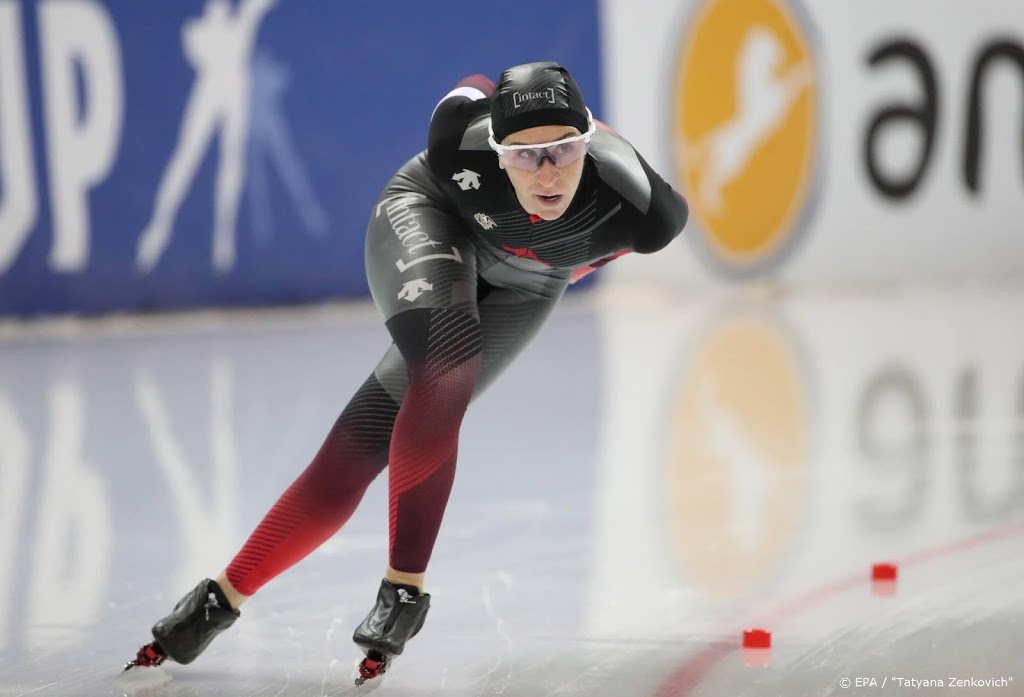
(158, 155)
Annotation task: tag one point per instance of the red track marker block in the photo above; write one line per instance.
(883, 572)
(883, 579)
(757, 648)
(757, 639)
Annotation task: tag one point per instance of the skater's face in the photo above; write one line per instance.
(545, 190)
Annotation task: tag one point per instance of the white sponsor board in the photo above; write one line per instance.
(826, 142)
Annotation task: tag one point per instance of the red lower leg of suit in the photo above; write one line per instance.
(420, 440)
(423, 454)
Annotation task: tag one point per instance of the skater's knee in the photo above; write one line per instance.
(436, 336)
(441, 348)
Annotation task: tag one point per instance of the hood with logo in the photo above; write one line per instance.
(536, 94)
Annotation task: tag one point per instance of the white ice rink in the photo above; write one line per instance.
(640, 487)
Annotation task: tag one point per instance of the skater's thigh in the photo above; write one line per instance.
(510, 318)
(419, 256)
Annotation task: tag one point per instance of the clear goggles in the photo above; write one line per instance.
(560, 152)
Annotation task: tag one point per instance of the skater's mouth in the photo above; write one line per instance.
(550, 200)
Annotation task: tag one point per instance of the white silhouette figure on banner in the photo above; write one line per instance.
(763, 102)
(270, 142)
(219, 45)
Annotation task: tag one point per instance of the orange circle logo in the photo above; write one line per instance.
(744, 125)
(737, 457)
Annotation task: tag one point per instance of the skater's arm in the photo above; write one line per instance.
(468, 100)
(471, 88)
(665, 217)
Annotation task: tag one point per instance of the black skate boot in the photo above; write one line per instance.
(396, 618)
(185, 633)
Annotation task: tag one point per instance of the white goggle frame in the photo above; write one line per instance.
(501, 149)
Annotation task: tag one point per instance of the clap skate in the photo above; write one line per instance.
(396, 618)
(185, 633)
